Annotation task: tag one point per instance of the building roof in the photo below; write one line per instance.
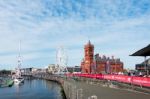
(89, 44)
(142, 52)
(147, 61)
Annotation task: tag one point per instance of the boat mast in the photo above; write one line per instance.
(19, 56)
(19, 61)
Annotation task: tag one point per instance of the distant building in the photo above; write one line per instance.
(39, 70)
(143, 66)
(99, 64)
(34, 70)
(26, 70)
(76, 69)
(105, 64)
(51, 68)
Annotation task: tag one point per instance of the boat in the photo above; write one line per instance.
(10, 82)
(6, 83)
(18, 79)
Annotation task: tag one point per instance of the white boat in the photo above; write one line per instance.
(19, 80)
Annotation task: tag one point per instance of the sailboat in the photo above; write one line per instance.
(18, 79)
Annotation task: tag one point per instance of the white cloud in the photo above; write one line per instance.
(115, 28)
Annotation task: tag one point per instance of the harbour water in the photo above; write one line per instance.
(32, 89)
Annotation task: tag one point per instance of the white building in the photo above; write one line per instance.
(52, 68)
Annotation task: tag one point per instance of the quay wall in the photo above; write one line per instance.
(86, 88)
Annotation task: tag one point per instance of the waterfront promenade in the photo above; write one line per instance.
(87, 90)
(82, 88)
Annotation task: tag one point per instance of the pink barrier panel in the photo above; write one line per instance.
(69, 75)
(88, 75)
(92, 76)
(109, 77)
(143, 81)
(99, 76)
(121, 78)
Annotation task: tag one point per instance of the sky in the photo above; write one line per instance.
(116, 28)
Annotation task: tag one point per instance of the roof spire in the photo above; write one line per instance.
(89, 42)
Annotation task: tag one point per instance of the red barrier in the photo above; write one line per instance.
(108, 77)
(121, 78)
(142, 81)
(99, 76)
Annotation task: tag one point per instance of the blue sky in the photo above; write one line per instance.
(115, 27)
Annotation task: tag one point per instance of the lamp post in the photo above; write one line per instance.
(115, 66)
(145, 64)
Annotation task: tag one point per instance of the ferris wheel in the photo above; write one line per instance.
(62, 60)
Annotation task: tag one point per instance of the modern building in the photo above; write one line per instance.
(99, 64)
(26, 71)
(39, 70)
(75, 69)
(142, 67)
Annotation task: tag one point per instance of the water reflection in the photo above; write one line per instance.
(32, 89)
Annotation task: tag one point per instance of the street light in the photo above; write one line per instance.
(115, 66)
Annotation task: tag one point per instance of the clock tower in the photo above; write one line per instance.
(88, 58)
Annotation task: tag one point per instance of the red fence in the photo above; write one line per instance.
(142, 81)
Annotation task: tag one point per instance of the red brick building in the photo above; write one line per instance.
(88, 58)
(99, 64)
